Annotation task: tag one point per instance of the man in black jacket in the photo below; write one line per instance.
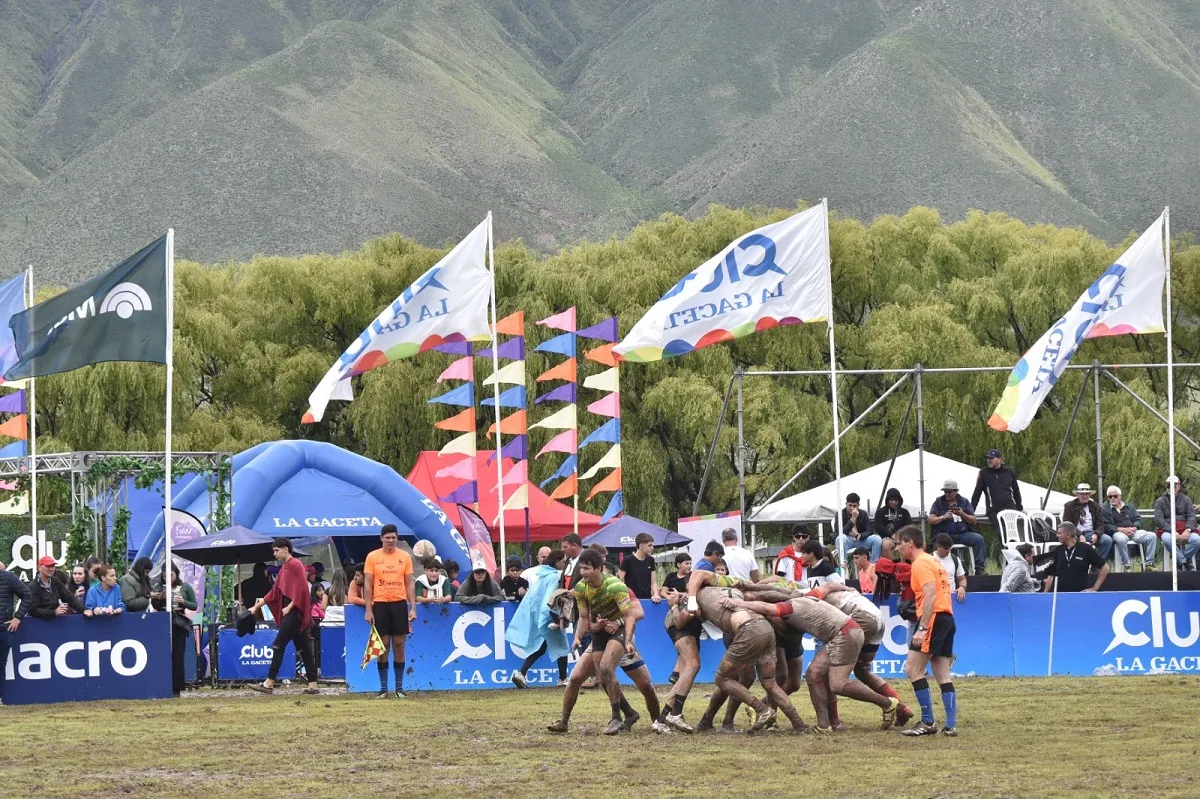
(999, 484)
(11, 589)
(49, 597)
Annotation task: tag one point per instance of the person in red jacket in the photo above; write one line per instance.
(291, 606)
(789, 564)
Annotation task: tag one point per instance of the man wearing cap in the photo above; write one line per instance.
(1084, 513)
(48, 597)
(1186, 542)
(954, 516)
(998, 483)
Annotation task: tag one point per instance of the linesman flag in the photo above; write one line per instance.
(374, 648)
(120, 315)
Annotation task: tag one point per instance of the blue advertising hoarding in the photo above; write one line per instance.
(249, 658)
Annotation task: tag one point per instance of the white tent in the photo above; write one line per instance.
(819, 504)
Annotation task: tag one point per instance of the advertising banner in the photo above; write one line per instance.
(333, 652)
(703, 529)
(249, 658)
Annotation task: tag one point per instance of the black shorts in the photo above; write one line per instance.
(600, 640)
(391, 618)
(692, 629)
(939, 638)
(793, 648)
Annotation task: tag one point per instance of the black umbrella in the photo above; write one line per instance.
(232, 546)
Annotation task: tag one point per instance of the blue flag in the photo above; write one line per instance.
(559, 345)
(510, 398)
(569, 466)
(463, 396)
(609, 432)
(12, 302)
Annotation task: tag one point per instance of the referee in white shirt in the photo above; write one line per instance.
(740, 562)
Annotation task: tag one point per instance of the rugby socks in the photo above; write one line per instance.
(562, 668)
(381, 664)
(398, 668)
(626, 708)
(887, 690)
(921, 687)
(950, 702)
(616, 710)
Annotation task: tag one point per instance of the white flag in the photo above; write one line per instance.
(776, 275)
(447, 303)
(1127, 298)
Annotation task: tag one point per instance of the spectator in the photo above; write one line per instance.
(256, 586)
(1122, 522)
(12, 592)
(713, 554)
(451, 567)
(183, 599)
(637, 570)
(739, 561)
(135, 587)
(1084, 513)
(676, 582)
(891, 516)
(49, 597)
(818, 568)
(79, 582)
(90, 564)
(953, 515)
(788, 563)
(354, 592)
(433, 587)
(999, 485)
(320, 599)
(1072, 562)
(1018, 575)
(572, 547)
(885, 581)
(542, 555)
(514, 586)
(104, 599)
(721, 569)
(950, 562)
(335, 609)
(319, 568)
(480, 589)
(854, 531)
(864, 569)
(1186, 542)
(533, 627)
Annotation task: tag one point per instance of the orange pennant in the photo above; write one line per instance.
(511, 425)
(602, 355)
(567, 488)
(610, 483)
(511, 325)
(16, 427)
(564, 371)
(461, 422)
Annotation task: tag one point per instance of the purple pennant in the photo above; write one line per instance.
(516, 448)
(467, 494)
(605, 331)
(454, 347)
(513, 349)
(564, 393)
(13, 403)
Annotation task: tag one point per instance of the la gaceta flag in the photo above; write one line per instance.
(775, 275)
(1127, 298)
(447, 303)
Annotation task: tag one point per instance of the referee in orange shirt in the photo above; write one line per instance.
(933, 641)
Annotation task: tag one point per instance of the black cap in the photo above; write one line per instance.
(994, 453)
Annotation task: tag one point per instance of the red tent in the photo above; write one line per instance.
(546, 522)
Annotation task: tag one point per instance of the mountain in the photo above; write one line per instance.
(290, 126)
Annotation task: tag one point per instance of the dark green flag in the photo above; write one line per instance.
(118, 316)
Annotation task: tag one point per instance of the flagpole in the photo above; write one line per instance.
(1170, 401)
(496, 387)
(837, 447)
(170, 278)
(32, 429)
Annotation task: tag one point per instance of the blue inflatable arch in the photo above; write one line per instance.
(300, 489)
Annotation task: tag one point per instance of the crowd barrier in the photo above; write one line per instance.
(457, 647)
(249, 657)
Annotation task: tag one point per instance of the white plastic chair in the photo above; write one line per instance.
(1014, 528)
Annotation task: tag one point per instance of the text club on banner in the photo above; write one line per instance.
(249, 657)
(77, 659)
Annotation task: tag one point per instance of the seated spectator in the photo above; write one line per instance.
(864, 569)
(433, 587)
(1122, 522)
(452, 568)
(676, 582)
(942, 545)
(854, 531)
(514, 585)
(1073, 561)
(788, 564)
(1084, 513)
(891, 516)
(955, 516)
(104, 599)
(80, 583)
(135, 587)
(354, 592)
(1018, 575)
(49, 597)
(480, 589)
(1186, 542)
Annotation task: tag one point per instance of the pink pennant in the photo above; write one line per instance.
(517, 475)
(561, 321)
(462, 369)
(608, 405)
(462, 470)
(567, 441)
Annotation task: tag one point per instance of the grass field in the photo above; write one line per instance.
(1102, 737)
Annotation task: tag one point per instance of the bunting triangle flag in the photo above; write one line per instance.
(564, 371)
(602, 355)
(565, 419)
(563, 442)
(610, 483)
(610, 431)
(17, 449)
(518, 501)
(510, 398)
(511, 350)
(610, 460)
(453, 347)
(569, 466)
(567, 392)
(605, 331)
(511, 425)
(511, 375)
(608, 405)
(460, 423)
(517, 474)
(516, 448)
(567, 488)
(463, 396)
(15, 428)
(615, 506)
(461, 445)
(559, 345)
(561, 321)
(13, 403)
(462, 470)
(462, 369)
(467, 494)
(511, 325)
(608, 380)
